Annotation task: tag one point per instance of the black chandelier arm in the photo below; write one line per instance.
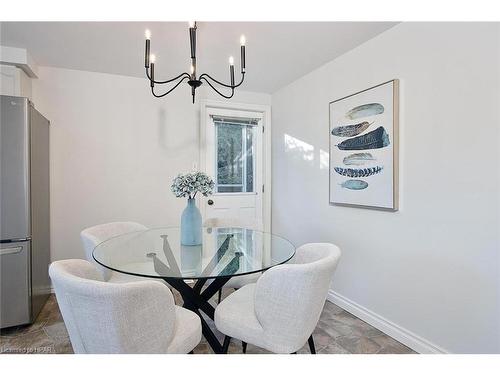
(169, 91)
(217, 91)
(220, 83)
(186, 75)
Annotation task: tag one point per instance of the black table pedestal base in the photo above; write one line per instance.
(197, 301)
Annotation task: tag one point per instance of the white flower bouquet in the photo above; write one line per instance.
(189, 184)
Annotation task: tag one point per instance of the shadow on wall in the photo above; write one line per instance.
(162, 129)
(169, 135)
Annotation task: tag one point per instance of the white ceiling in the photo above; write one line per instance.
(277, 52)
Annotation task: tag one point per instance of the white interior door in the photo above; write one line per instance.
(234, 158)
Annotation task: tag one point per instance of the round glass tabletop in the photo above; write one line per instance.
(224, 252)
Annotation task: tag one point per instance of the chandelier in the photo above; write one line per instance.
(192, 79)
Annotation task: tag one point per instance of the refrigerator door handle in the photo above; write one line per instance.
(16, 240)
(11, 250)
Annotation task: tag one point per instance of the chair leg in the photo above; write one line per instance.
(191, 352)
(244, 345)
(220, 296)
(225, 346)
(311, 345)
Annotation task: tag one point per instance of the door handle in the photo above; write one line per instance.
(11, 250)
(210, 202)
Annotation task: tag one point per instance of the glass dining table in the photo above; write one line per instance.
(224, 253)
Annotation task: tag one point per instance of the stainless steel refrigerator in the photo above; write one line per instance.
(24, 206)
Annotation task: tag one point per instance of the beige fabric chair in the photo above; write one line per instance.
(238, 281)
(93, 236)
(127, 318)
(279, 312)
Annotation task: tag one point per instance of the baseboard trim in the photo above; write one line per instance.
(406, 337)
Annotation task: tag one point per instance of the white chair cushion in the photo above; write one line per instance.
(238, 282)
(187, 331)
(235, 316)
(120, 278)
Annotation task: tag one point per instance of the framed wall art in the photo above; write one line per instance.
(364, 148)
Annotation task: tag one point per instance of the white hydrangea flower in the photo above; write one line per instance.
(189, 184)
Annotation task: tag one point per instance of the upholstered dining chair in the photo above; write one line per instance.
(127, 318)
(280, 311)
(93, 236)
(238, 281)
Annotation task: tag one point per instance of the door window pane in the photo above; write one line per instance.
(235, 157)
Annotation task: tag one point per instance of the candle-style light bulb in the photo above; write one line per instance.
(231, 69)
(192, 40)
(243, 40)
(148, 43)
(152, 80)
(192, 69)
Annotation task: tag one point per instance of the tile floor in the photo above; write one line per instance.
(338, 332)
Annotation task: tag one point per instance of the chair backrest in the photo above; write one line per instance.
(289, 298)
(93, 236)
(101, 317)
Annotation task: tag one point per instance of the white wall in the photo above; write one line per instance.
(114, 150)
(433, 267)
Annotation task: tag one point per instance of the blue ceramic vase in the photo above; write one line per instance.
(191, 224)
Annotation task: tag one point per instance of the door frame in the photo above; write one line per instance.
(208, 107)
